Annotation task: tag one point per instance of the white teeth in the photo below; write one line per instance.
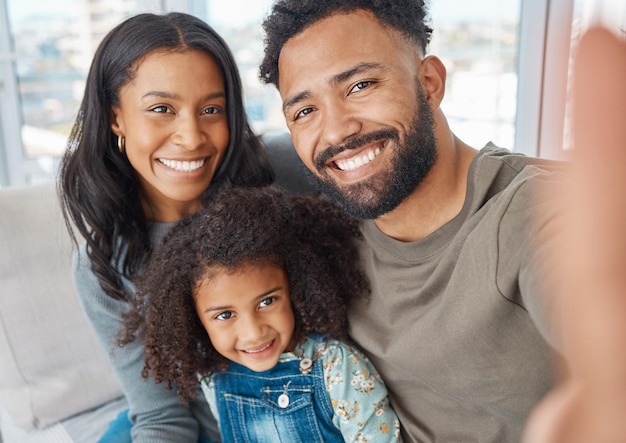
(253, 351)
(357, 162)
(185, 166)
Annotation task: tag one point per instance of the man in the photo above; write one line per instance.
(455, 323)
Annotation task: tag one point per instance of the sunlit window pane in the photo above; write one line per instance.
(53, 43)
(478, 43)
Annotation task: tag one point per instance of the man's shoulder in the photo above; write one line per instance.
(497, 171)
(498, 168)
(495, 155)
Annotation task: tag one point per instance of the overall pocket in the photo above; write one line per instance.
(278, 414)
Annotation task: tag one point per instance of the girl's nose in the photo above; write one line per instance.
(250, 330)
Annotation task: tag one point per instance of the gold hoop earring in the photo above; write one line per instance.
(121, 143)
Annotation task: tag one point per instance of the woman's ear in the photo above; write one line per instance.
(432, 74)
(117, 122)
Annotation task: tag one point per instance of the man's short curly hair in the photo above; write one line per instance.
(290, 17)
(310, 238)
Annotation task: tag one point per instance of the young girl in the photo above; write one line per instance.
(249, 295)
(161, 124)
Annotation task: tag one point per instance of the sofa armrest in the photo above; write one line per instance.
(52, 365)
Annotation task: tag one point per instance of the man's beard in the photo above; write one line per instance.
(413, 160)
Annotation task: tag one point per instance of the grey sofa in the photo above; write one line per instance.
(56, 383)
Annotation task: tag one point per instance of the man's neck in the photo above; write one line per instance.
(437, 200)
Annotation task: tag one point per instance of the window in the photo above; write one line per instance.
(478, 43)
(45, 60)
(507, 63)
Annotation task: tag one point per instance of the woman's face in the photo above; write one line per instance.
(173, 117)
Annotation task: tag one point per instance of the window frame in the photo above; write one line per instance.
(545, 33)
(11, 159)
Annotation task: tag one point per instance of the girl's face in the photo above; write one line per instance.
(247, 314)
(173, 116)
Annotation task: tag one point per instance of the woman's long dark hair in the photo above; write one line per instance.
(98, 187)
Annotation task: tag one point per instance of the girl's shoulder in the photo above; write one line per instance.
(328, 349)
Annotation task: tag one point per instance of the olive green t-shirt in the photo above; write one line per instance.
(453, 322)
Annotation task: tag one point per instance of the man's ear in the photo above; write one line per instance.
(117, 122)
(432, 75)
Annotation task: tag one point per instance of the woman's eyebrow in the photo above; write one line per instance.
(163, 94)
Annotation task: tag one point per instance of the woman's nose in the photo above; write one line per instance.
(189, 133)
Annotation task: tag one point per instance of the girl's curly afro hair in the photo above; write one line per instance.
(313, 240)
(289, 18)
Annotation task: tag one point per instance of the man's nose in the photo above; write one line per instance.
(338, 122)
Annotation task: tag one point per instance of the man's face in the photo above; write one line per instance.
(357, 114)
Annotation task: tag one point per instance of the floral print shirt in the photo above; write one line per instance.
(357, 393)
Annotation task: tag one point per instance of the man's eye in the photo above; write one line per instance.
(304, 113)
(360, 86)
(224, 315)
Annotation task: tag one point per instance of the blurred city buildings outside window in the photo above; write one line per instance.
(51, 45)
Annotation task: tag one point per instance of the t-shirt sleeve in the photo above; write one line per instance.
(537, 280)
(359, 396)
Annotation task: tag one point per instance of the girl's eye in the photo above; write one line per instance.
(267, 301)
(224, 315)
(360, 86)
(160, 109)
(211, 110)
(303, 113)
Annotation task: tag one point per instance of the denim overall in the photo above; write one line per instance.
(280, 405)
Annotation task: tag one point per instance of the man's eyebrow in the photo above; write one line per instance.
(292, 101)
(335, 80)
(357, 69)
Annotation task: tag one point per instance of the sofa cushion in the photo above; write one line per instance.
(291, 174)
(52, 365)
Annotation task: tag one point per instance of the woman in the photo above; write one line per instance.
(161, 125)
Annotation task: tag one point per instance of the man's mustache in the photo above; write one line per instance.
(354, 142)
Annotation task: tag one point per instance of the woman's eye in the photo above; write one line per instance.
(267, 301)
(160, 109)
(224, 315)
(360, 86)
(211, 110)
